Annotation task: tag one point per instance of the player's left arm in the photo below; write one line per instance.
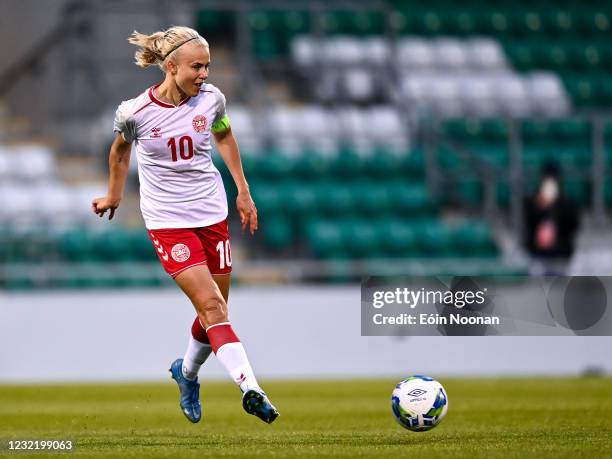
(228, 149)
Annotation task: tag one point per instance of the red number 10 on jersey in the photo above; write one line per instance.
(185, 147)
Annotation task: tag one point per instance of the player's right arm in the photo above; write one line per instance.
(119, 163)
(124, 125)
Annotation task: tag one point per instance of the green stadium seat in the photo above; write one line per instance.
(347, 164)
(141, 247)
(249, 165)
(608, 192)
(492, 154)
(532, 22)
(470, 191)
(571, 131)
(496, 23)
(371, 198)
(274, 165)
(19, 282)
(212, 21)
(31, 246)
(335, 200)
(448, 160)
(299, 203)
(503, 194)
(403, 21)
(361, 238)
(78, 245)
(410, 200)
(283, 23)
(582, 90)
(592, 23)
(590, 91)
(413, 164)
(297, 22)
(429, 23)
(608, 133)
(273, 30)
(114, 245)
(461, 23)
(605, 55)
(553, 57)
(469, 128)
(474, 239)
(354, 22)
(535, 129)
(325, 240)
(6, 243)
(521, 24)
(585, 58)
(604, 91)
(583, 157)
(522, 55)
(268, 199)
(277, 232)
(311, 165)
(397, 238)
(494, 130)
(384, 164)
(577, 189)
(556, 134)
(559, 23)
(433, 239)
(535, 157)
(574, 157)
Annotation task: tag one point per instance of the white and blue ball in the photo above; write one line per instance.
(419, 403)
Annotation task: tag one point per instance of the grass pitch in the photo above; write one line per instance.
(486, 418)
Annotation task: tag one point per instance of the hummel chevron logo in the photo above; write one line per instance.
(160, 249)
(416, 392)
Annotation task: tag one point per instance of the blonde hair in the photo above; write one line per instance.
(157, 47)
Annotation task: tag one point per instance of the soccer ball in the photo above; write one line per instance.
(419, 403)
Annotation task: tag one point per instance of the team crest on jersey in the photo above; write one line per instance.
(199, 123)
(156, 132)
(180, 253)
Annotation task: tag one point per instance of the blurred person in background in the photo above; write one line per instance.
(551, 222)
(183, 201)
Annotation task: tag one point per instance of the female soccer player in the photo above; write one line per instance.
(183, 201)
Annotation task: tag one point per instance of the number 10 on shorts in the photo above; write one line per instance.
(225, 256)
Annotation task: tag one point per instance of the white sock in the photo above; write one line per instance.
(233, 357)
(195, 356)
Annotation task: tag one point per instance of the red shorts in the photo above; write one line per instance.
(182, 248)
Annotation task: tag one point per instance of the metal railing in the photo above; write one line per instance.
(483, 170)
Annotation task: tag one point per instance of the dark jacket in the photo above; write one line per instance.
(565, 217)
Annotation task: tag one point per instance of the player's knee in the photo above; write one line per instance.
(213, 316)
(211, 307)
(209, 301)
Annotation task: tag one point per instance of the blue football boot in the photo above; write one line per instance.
(190, 392)
(256, 402)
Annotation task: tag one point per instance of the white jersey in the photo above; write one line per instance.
(180, 187)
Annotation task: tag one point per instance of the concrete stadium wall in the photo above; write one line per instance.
(23, 23)
(289, 332)
(75, 81)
